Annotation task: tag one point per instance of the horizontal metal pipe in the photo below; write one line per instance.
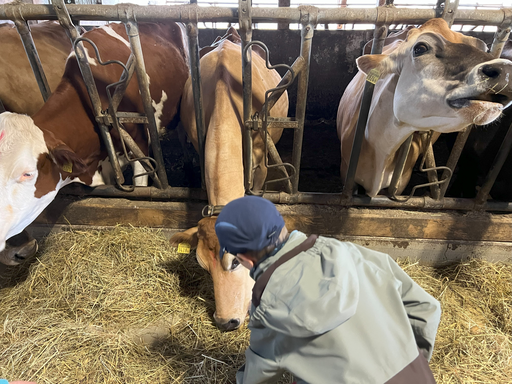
(334, 199)
(186, 13)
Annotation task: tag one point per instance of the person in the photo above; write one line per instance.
(325, 310)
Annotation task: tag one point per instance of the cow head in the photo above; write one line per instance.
(18, 249)
(232, 284)
(446, 80)
(30, 173)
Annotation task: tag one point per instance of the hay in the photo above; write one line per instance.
(122, 306)
(474, 341)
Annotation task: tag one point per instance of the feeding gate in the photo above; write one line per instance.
(382, 16)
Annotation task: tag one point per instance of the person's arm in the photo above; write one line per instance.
(423, 310)
(257, 370)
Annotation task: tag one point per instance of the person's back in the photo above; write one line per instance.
(336, 313)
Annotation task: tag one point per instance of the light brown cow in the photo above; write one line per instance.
(61, 144)
(221, 75)
(436, 80)
(18, 87)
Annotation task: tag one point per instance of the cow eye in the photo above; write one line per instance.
(234, 264)
(25, 176)
(420, 49)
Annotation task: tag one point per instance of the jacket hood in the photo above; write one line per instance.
(313, 292)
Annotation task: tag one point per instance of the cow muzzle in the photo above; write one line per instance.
(227, 324)
(488, 82)
(18, 249)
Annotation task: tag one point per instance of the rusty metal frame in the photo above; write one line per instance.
(380, 16)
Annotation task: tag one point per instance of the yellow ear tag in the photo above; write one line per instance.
(373, 76)
(68, 167)
(183, 248)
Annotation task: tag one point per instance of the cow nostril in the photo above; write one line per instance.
(234, 323)
(490, 71)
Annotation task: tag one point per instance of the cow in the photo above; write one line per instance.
(19, 91)
(436, 80)
(221, 76)
(61, 144)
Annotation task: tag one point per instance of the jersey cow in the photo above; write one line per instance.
(221, 76)
(19, 91)
(61, 143)
(436, 80)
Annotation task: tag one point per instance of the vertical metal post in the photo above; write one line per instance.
(282, 4)
(308, 30)
(502, 155)
(33, 57)
(379, 37)
(245, 22)
(462, 137)
(431, 163)
(403, 152)
(502, 34)
(195, 72)
(132, 31)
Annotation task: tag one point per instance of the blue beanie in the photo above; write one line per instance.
(249, 223)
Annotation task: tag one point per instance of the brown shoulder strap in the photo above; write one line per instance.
(260, 285)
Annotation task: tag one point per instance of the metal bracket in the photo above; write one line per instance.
(308, 15)
(211, 210)
(448, 171)
(446, 9)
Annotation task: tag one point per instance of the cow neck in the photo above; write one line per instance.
(65, 120)
(224, 169)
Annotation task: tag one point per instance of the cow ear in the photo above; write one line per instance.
(67, 160)
(189, 236)
(475, 42)
(368, 62)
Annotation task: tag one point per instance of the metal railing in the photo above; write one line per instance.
(308, 17)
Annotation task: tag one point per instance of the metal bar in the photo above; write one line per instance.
(281, 4)
(132, 31)
(403, 152)
(73, 33)
(245, 22)
(379, 37)
(125, 78)
(33, 57)
(430, 162)
(502, 155)
(462, 137)
(335, 199)
(308, 30)
(195, 72)
(180, 13)
(297, 66)
(502, 34)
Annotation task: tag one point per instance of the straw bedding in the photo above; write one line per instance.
(122, 306)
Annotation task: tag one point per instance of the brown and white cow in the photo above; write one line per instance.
(20, 93)
(436, 80)
(61, 143)
(18, 87)
(221, 76)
